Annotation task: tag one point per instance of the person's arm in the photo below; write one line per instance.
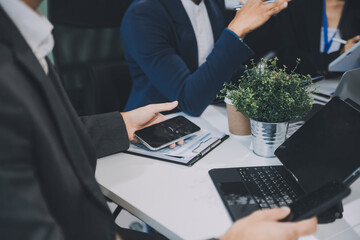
(111, 132)
(24, 212)
(107, 132)
(147, 38)
(265, 225)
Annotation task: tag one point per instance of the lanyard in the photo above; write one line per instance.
(327, 43)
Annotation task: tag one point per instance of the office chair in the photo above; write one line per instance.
(88, 53)
(349, 86)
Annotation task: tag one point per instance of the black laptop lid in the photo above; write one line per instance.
(326, 147)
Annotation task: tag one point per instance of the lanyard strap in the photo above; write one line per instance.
(327, 42)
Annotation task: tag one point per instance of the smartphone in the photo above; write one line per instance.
(239, 6)
(170, 131)
(318, 201)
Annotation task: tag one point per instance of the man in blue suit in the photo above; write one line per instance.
(182, 50)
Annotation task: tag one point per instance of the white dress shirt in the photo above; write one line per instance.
(35, 28)
(335, 46)
(201, 24)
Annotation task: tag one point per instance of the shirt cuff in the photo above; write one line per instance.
(235, 35)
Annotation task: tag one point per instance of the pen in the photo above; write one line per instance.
(313, 80)
(339, 40)
(317, 78)
(239, 6)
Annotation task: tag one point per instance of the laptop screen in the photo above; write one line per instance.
(324, 148)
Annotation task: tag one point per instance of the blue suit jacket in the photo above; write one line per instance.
(161, 50)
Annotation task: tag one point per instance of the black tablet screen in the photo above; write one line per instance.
(326, 147)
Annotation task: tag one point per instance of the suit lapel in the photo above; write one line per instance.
(185, 39)
(76, 151)
(79, 127)
(217, 18)
(68, 131)
(186, 36)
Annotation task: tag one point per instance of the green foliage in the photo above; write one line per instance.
(267, 93)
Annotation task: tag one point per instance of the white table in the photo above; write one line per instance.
(181, 202)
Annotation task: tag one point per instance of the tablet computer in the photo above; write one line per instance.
(347, 61)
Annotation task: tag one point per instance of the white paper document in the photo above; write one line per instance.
(194, 148)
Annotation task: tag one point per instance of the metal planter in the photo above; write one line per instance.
(266, 137)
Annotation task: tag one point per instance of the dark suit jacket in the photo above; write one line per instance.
(161, 51)
(47, 160)
(299, 27)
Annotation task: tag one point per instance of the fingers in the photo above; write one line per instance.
(276, 7)
(280, 4)
(274, 10)
(305, 227)
(298, 229)
(283, 6)
(163, 107)
(157, 119)
(181, 142)
(354, 39)
(273, 214)
(350, 43)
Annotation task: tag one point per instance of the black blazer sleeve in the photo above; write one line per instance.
(108, 133)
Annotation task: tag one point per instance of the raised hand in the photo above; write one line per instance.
(253, 14)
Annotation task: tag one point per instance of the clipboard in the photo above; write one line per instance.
(193, 149)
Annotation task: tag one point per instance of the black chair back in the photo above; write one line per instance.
(88, 53)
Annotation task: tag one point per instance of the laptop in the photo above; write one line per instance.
(347, 61)
(326, 147)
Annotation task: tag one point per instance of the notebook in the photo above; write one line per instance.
(326, 147)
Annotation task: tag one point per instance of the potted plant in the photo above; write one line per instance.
(271, 98)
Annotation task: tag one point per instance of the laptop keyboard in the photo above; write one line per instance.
(272, 189)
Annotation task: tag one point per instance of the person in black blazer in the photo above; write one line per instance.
(300, 29)
(48, 154)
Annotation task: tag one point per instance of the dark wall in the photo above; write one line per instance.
(263, 39)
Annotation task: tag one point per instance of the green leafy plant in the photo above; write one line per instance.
(267, 93)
